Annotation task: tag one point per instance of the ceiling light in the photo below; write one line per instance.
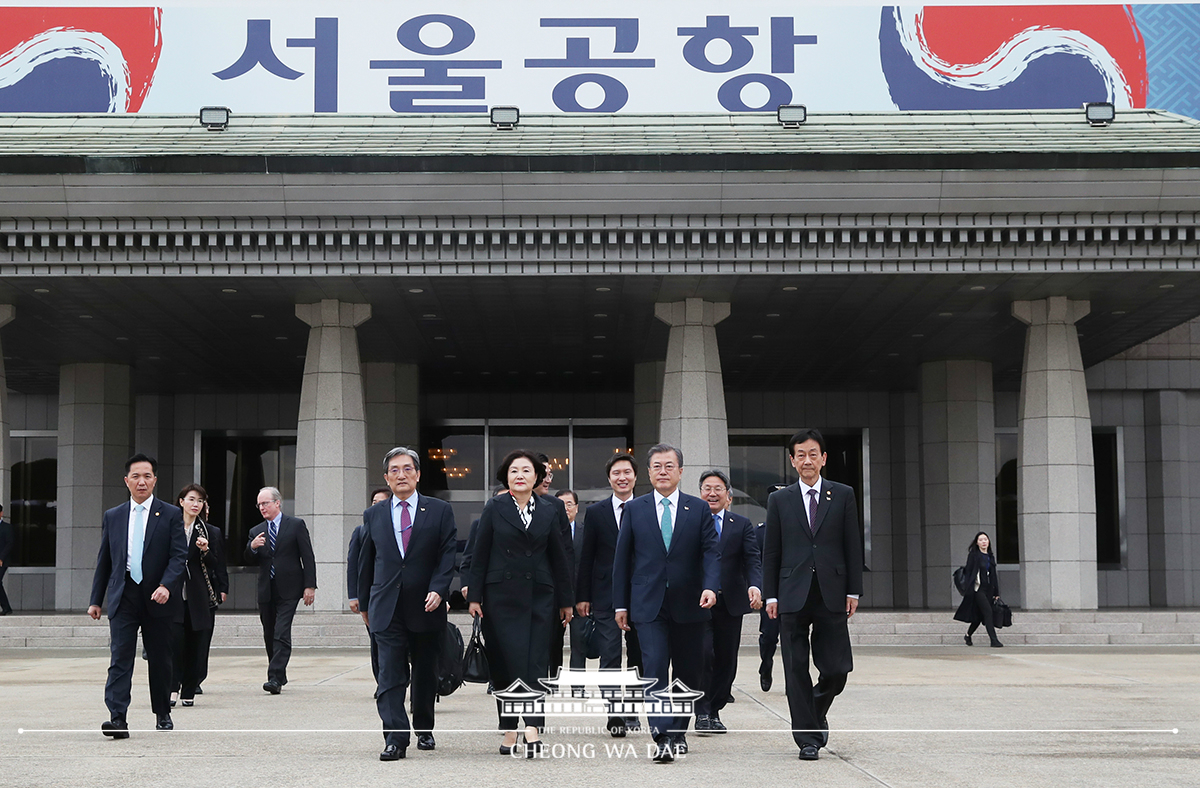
(257, 317)
(977, 288)
(945, 314)
(599, 314)
(790, 288)
(603, 289)
(40, 290)
(1165, 287)
(85, 317)
(415, 290)
(228, 290)
(1120, 312)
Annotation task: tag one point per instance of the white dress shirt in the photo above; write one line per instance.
(618, 507)
(804, 488)
(133, 505)
(411, 503)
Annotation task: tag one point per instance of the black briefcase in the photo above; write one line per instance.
(1001, 614)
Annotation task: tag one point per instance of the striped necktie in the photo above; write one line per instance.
(272, 535)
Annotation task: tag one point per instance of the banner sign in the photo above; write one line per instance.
(666, 56)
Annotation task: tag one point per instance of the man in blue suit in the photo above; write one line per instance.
(739, 593)
(665, 576)
(406, 563)
(141, 565)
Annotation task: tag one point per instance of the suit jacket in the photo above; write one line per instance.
(164, 556)
(647, 577)
(567, 540)
(6, 540)
(576, 547)
(594, 582)
(464, 569)
(792, 553)
(510, 560)
(352, 554)
(197, 590)
(388, 581)
(741, 563)
(295, 567)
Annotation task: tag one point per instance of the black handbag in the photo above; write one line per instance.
(1001, 614)
(475, 662)
(591, 641)
(963, 585)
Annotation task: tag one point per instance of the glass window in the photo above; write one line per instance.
(453, 459)
(233, 469)
(593, 447)
(1108, 499)
(1007, 544)
(33, 499)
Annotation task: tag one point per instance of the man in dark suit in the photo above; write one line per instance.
(6, 543)
(352, 554)
(140, 566)
(595, 587)
(665, 575)
(768, 628)
(578, 646)
(287, 571)
(813, 575)
(557, 634)
(406, 564)
(739, 593)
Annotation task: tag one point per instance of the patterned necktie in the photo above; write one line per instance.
(139, 544)
(666, 523)
(405, 526)
(272, 534)
(812, 511)
(717, 524)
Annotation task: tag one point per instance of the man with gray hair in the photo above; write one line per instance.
(287, 571)
(405, 564)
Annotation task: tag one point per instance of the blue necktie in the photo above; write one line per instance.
(717, 524)
(139, 544)
(272, 533)
(666, 523)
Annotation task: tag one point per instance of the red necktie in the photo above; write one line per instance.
(405, 526)
(812, 511)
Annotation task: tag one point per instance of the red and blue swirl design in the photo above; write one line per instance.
(1012, 57)
(78, 59)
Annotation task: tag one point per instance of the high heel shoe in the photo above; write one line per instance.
(533, 749)
(967, 638)
(507, 749)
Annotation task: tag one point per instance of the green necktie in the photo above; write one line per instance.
(666, 523)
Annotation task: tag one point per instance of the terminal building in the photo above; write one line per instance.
(991, 315)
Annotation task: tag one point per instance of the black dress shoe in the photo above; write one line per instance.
(679, 742)
(716, 726)
(187, 702)
(703, 724)
(633, 724)
(164, 723)
(730, 699)
(967, 639)
(664, 753)
(764, 681)
(425, 741)
(997, 644)
(616, 727)
(392, 752)
(199, 691)
(809, 752)
(272, 687)
(118, 729)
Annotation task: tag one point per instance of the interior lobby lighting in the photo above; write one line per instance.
(1099, 113)
(790, 116)
(214, 118)
(505, 118)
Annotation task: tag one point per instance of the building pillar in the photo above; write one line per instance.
(7, 313)
(1168, 507)
(958, 468)
(391, 392)
(1056, 497)
(331, 442)
(647, 407)
(693, 394)
(95, 437)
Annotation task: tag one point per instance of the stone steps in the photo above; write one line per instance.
(869, 628)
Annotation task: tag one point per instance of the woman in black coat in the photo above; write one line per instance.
(976, 606)
(191, 636)
(520, 584)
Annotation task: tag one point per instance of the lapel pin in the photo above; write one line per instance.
(156, 514)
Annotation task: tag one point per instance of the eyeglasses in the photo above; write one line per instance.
(670, 466)
(407, 470)
(708, 488)
(261, 504)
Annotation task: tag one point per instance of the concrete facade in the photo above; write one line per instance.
(1056, 488)
(95, 438)
(958, 467)
(693, 394)
(331, 441)
(392, 395)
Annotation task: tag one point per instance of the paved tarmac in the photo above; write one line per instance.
(910, 716)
